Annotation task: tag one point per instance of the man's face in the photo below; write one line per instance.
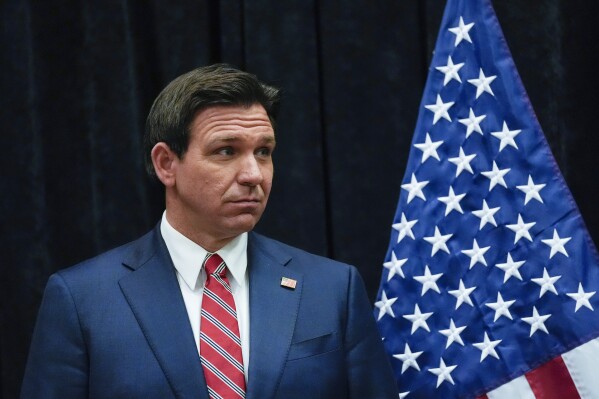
(223, 181)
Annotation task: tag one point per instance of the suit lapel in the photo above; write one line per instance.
(155, 298)
(273, 313)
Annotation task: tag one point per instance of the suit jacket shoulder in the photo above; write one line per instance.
(303, 260)
(115, 326)
(109, 265)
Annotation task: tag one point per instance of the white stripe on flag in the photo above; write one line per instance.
(515, 389)
(582, 365)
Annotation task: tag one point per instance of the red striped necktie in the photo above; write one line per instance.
(220, 345)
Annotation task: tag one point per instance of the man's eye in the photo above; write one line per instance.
(225, 151)
(264, 152)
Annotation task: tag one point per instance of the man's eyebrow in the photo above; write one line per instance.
(269, 139)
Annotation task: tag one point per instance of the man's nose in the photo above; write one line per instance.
(250, 173)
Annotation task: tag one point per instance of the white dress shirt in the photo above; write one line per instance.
(187, 257)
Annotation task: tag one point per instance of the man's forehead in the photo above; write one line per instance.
(233, 137)
(222, 115)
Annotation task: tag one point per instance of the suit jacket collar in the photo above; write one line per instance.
(273, 314)
(153, 293)
(154, 296)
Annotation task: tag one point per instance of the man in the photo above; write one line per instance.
(200, 306)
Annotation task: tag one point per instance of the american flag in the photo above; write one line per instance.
(489, 283)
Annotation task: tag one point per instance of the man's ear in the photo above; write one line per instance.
(164, 160)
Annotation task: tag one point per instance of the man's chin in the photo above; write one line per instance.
(243, 223)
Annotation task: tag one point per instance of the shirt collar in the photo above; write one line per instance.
(188, 256)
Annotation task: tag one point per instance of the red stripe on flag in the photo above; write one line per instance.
(483, 397)
(552, 380)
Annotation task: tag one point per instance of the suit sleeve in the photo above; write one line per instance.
(57, 366)
(369, 369)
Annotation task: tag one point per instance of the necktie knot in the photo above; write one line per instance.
(215, 266)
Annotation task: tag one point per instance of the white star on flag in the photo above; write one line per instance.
(501, 307)
(453, 334)
(450, 70)
(511, 268)
(438, 241)
(384, 306)
(483, 83)
(486, 215)
(462, 161)
(439, 109)
(443, 373)
(495, 176)
(521, 229)
(428, 281)
(418, 319)
(506, 137)
(487, 347)
(403, 395)
(582, 298)
(452, 201)
(429, 148)
(414, 188)
(557, 244)
(531, 190)
(461, 32)
(395, 266)
(408, 359)
(546, 282)
(536, 321)
(404, 227)
(476, 254)
(472, 123)
(462, 295)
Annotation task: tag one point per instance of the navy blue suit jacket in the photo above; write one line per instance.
(116, 326)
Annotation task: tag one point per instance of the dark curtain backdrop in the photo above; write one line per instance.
(78, 78)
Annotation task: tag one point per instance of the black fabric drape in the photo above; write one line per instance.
(78, 78)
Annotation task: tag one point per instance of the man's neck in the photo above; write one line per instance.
(200, 237)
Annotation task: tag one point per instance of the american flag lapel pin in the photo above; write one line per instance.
(288, 282)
